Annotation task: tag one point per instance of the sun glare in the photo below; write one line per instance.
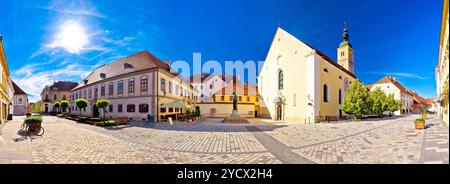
(72, 37)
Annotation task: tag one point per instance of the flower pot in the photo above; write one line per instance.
(420, 124)
(424, 116)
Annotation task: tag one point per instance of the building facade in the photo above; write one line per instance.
(390, 85)
(56, 92)
(208, 84)
(299, 83)
(139, 87)
(442, 68)
(20, 101)
(6, 89)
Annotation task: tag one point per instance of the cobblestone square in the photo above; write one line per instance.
(379, 141)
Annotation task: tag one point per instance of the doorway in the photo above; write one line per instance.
(95, 112)
(279, 113)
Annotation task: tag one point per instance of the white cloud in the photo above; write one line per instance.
(32, 79)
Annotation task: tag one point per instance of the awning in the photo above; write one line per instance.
(175, 104)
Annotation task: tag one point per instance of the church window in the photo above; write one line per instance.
(280, 80)
(325, 93)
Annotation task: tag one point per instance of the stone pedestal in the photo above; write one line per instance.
(235, 118)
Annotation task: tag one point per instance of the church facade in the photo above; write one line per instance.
(299, 83)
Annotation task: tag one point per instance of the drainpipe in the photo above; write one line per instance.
(157, 94)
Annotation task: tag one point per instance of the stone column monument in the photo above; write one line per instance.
(234, 117)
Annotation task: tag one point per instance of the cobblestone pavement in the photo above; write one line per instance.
(378, 141)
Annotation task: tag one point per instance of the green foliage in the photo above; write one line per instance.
(64, 104)
(197, 112)
(56, 104)
(36, 107)
(81, 103)
(33, 119)
(391, 104)
(420, 119)
(96, 119)
(424, 109)
(103, 104)
(377, 97)
(107, 123)
(60, 115)
(357, 100)
(83, 119)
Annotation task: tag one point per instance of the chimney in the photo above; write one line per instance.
(167, 62)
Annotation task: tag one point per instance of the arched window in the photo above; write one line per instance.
(340, 96)
(325, 93)
(280, 80)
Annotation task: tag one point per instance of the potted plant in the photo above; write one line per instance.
(419, 123)
(424, 112)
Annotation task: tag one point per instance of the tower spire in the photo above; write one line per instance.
(345, 34)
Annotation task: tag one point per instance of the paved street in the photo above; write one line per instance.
(392, 140)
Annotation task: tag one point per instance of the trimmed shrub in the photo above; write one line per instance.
(33, 119)
(83, 119)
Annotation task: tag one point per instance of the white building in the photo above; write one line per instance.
(138, 87)
(390, 85)
(20, 101)
(209, 84)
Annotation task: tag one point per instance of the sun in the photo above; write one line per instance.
(71, 36)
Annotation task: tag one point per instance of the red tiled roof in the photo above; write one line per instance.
(63, 86)
(136, 62)
(17, 89)
(389, 79)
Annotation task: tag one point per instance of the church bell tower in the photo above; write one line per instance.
(345, 52)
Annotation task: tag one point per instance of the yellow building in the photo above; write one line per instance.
(442, 77)
(222, 105)
(299, 83)
(6, 89)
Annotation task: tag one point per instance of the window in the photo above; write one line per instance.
(111, 108)
(95, 92)
(143, 108)
(64, 97)
(170, 87)
(280, 80)
(163, 110)
(163, 84)
(144, 85)
(102, 90)
(325, 93)
(240, 98)
(231, 98)
(111, 89)
(46, 97)
(257, 99)
(90, 93)
(342, 53)
(340, 96)
(248, 99)
(222, 98)
(131, 86)
(84, 93)
(294, 100)
(325, 70)
(211, 86)
(131, 108)
(120, 88)
(170, 109)
(54, 97)
(119, 108)
(177, 90)
(340, 77)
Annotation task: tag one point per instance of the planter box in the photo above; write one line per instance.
(420, 124)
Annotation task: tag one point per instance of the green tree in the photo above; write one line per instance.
(391, 104)
(357, 100)
(81, 103)
(103, 104)
(56, 105)
(36, 107)
(378, 97)
(64, 104)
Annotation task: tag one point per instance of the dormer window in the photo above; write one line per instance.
(103, 75)
(127, 65)
(85, 81)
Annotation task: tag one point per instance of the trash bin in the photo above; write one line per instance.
(150, 118)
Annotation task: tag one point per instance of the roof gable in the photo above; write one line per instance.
(136, 62)
(17, 89)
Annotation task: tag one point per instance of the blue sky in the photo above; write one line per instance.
(394, 37)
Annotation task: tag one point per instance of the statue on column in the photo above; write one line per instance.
(234, 102)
